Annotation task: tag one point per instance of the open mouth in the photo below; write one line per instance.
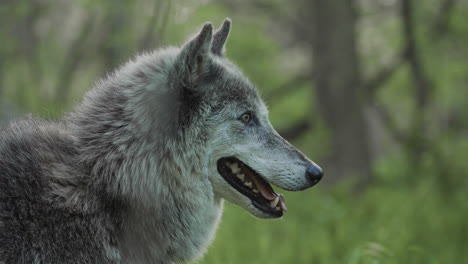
(251, 184)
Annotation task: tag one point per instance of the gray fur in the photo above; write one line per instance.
(130, 176)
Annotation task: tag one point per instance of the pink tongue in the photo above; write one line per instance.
(264, 189)
(268, 195)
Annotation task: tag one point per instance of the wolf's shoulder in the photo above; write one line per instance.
(35, 136)
(29, 148)
(38, 179)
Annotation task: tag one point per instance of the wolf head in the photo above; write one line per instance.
(190, 111)
(245, 154)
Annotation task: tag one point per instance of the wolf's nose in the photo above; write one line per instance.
(314, 173)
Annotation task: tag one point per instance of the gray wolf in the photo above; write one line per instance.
(139, 171)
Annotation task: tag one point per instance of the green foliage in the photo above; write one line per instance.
(386, 224)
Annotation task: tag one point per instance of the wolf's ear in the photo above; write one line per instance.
(194, 55)
(220, 37)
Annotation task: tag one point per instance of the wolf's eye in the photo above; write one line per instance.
(246, 118)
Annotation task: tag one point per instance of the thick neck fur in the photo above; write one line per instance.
(137, 148)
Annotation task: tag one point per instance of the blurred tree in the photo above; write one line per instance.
(416, 144)
(72, 61)
(341, 97)
(44, 61)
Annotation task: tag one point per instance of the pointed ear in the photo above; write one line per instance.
(194, 55)
(220, 37)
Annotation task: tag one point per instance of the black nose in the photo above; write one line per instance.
(314, 173)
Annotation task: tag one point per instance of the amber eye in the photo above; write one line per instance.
(246, 118)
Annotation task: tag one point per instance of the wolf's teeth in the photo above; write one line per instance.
(255, 190)
(235, 169)
(248, 184)
(241, 176)
(274, 202)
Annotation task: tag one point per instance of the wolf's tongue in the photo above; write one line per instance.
(264, 188)
(266, 191)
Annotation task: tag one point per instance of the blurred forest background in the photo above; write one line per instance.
(375, 91)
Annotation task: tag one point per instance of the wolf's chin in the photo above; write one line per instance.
(264, 201)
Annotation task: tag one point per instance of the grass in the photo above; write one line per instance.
(385, 224)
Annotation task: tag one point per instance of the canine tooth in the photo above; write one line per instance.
(255, 190)
(248, 184)
(274, 202)
(277, 208)
(241, 176)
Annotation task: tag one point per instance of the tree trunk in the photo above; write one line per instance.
(417, 144)
(340, 95)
